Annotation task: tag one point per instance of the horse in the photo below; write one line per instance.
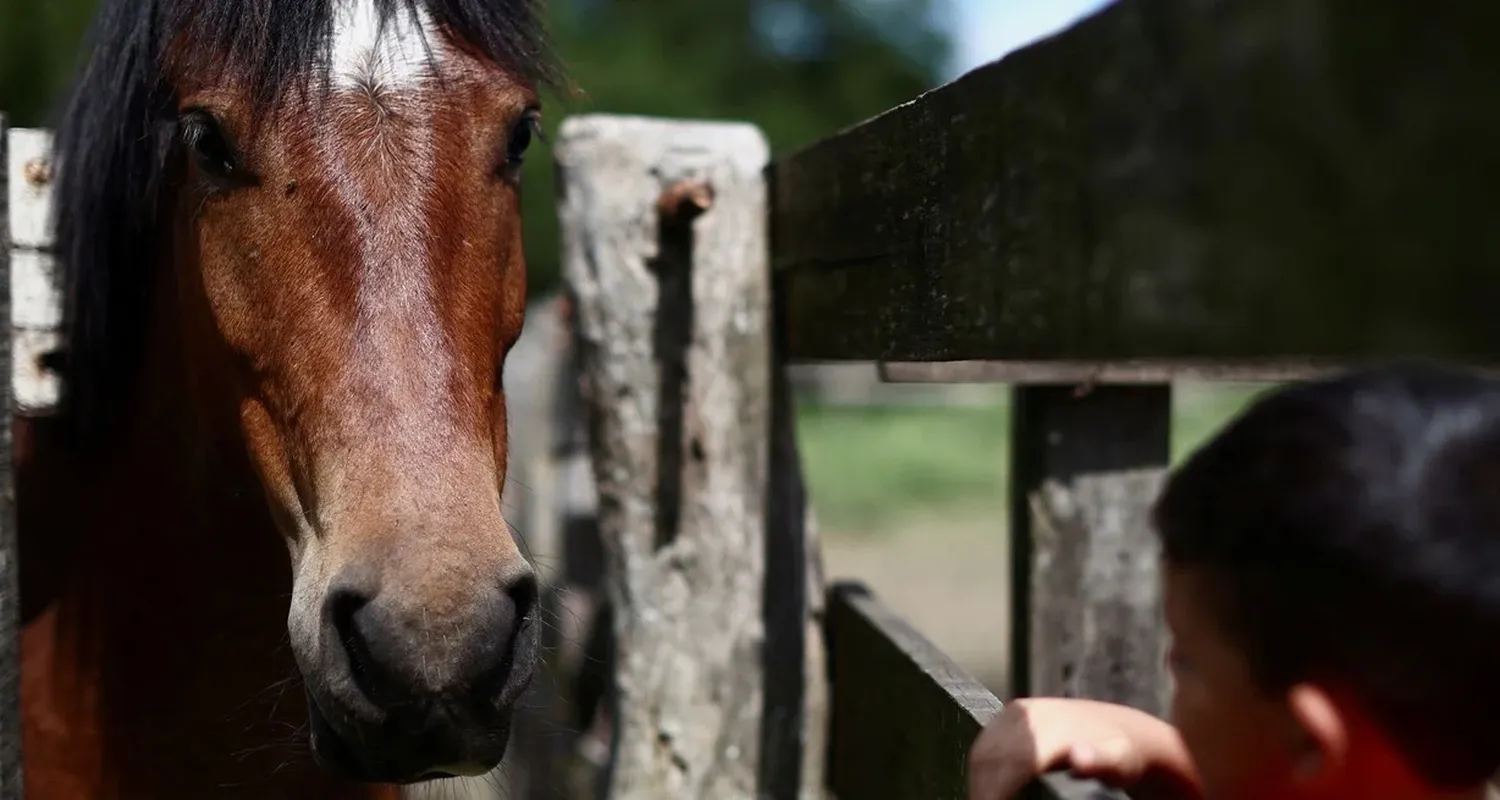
(290, 244)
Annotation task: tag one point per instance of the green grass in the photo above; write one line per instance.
(868, 468)
(871, 468)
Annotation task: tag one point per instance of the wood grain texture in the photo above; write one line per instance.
(673, 328)
(11, 786)
(35, 288)
(1086, 469)
(1087, 373)
(534, 370)
(904, 715)
(796, 702)
(30, 188)
(1169, 179)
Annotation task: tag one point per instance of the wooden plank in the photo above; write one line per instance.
(37, 389)
(1086, 468)
(533, 369)
(11, 787)
(584, 661)
(664, 253)
(1086, 373)
(904, 715)
(30, 188)
(1095, 372)
(794, 590)
(34, 282)
(1246, 179)
(35, 291)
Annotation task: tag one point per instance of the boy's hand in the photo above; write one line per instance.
(1115, 745)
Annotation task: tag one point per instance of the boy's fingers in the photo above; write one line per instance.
(995, 781)
(1005, 758)
(1086, 758)
(1002, 775)
(1112, 761)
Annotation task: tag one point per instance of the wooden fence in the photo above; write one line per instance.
(13, 167)
(1247, 189)
(1251, 190)
(737, 672)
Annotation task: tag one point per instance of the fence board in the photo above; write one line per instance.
(10, 586)
(1170, 179)
(673, 325)
(33, 280)
(1095, 372)
(1086, 604)
(794, 593)
(30, 188)
(904, 715)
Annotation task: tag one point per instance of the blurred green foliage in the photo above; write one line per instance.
(38, 49)
(800, 69)
(873, 470)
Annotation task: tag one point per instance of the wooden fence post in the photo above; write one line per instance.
(11, 787)
(665, 253)
(1086, 466)
(35, 291)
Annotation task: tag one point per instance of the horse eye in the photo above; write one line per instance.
(209, 146)
(520, 138)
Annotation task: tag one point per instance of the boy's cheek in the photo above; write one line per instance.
(1235, 751)
(1232, 771)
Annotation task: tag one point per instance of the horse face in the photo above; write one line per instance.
(359, 258)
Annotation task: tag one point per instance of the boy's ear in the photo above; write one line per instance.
(1319, 736)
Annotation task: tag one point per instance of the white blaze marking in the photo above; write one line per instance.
(400, 358)
(365, 55)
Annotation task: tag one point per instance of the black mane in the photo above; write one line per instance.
(119, 130)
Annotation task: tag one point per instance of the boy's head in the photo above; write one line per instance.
(1332, 564)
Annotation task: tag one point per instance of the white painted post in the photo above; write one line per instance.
(36, 300)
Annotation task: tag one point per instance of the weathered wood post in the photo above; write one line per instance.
(665, 254)
(1087, 464)
(10, 589)
(543, 737)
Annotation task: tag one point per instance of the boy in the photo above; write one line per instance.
(1331, 578)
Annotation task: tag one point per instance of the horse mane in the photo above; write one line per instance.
(118, 134)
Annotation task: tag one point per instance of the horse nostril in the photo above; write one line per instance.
(517, 631)
(401, 656)
(344, 607)
(523, 598)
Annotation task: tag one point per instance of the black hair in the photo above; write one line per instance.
(1350, 528)
(119, 128)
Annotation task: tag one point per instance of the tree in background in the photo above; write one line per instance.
(38, 47)
(800, 69)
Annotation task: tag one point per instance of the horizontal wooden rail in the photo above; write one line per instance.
(903, 714)
(1245, 181)
(1110, 372)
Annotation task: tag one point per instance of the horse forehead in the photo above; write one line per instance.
(368, 52)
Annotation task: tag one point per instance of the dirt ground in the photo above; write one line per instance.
(948, 576)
